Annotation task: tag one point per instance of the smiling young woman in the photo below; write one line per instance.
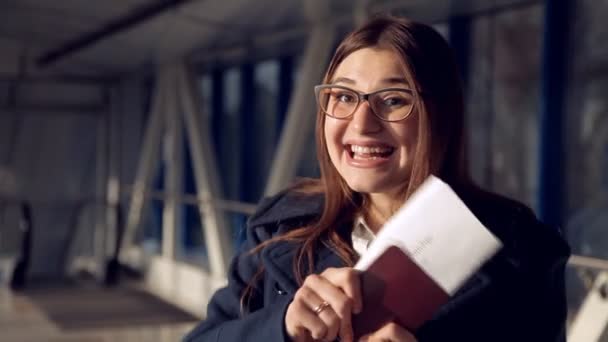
(390, 114)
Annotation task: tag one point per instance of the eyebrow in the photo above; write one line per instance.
(389, 80)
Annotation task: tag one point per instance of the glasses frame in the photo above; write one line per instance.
(364, 97)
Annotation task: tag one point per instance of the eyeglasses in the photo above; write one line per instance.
(390, 104)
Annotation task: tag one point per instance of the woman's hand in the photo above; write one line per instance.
(389, 332)
(322, 307)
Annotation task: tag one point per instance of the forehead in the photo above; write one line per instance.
(371, 66)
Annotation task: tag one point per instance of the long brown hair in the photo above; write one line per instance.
(432, 72)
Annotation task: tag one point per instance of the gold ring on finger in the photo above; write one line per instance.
(319, 308)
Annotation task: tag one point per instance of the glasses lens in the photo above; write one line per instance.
(338, 102)
(392, 105)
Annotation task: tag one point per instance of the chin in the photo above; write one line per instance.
(369, 187)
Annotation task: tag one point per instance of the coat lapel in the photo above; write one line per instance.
(278, 261)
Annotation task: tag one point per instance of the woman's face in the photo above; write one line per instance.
(371, 155)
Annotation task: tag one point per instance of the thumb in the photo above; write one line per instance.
(346, 328)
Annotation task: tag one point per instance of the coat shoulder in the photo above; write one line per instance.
(288, 207)
(516, 225)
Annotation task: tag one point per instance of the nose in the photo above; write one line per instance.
(364, 120)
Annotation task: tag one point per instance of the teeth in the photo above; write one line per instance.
(368, 150)
(358, 156)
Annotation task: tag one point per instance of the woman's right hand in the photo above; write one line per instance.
(340, 288)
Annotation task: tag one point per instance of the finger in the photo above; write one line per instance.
(393, 332)
(346, 329)
(364, 338)
(328, 316)
(340, 303)
(308, 321)
(332, 322)
(338, 300)
(349, 281)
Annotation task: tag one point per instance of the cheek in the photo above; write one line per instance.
(331, 130)
(408, 137)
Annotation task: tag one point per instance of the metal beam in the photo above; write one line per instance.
(300, 122)
(448, 8)
(135, 17)
(61, 79)
(148, 161)
(54, 109)
(590, 321)
(220, 204)
(551, 188)
(214, 222)
(260, 46)
(173, 154)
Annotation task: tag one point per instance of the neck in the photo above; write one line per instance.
(381, 208)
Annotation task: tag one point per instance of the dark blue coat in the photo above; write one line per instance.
(517, 296)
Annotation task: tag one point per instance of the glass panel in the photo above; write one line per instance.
(152, 215)
(152, 226)
(308, 165)
(238, 225)
(206, 91)
(587, 144)
(503, 101)
(266, 83)
(192, 237)
(230, 149)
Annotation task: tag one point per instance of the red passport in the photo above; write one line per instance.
(394, 288)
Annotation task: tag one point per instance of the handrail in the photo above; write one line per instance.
(222, 204)
(588, 262)
(19, 276)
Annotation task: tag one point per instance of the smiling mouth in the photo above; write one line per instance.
(369, 152)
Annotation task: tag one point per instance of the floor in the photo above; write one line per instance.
(22, 319)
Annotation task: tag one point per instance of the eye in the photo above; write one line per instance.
(394, 101)
(345, 97)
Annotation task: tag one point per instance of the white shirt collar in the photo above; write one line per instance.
(362, 235)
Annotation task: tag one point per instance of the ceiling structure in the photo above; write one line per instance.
(79, 38)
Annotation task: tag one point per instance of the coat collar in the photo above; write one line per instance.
(288, 210)
(278, 260)
(287, 207)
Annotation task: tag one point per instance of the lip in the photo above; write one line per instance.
(366, 163)
(367, 143)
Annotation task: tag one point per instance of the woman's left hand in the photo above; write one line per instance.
(390, 332)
